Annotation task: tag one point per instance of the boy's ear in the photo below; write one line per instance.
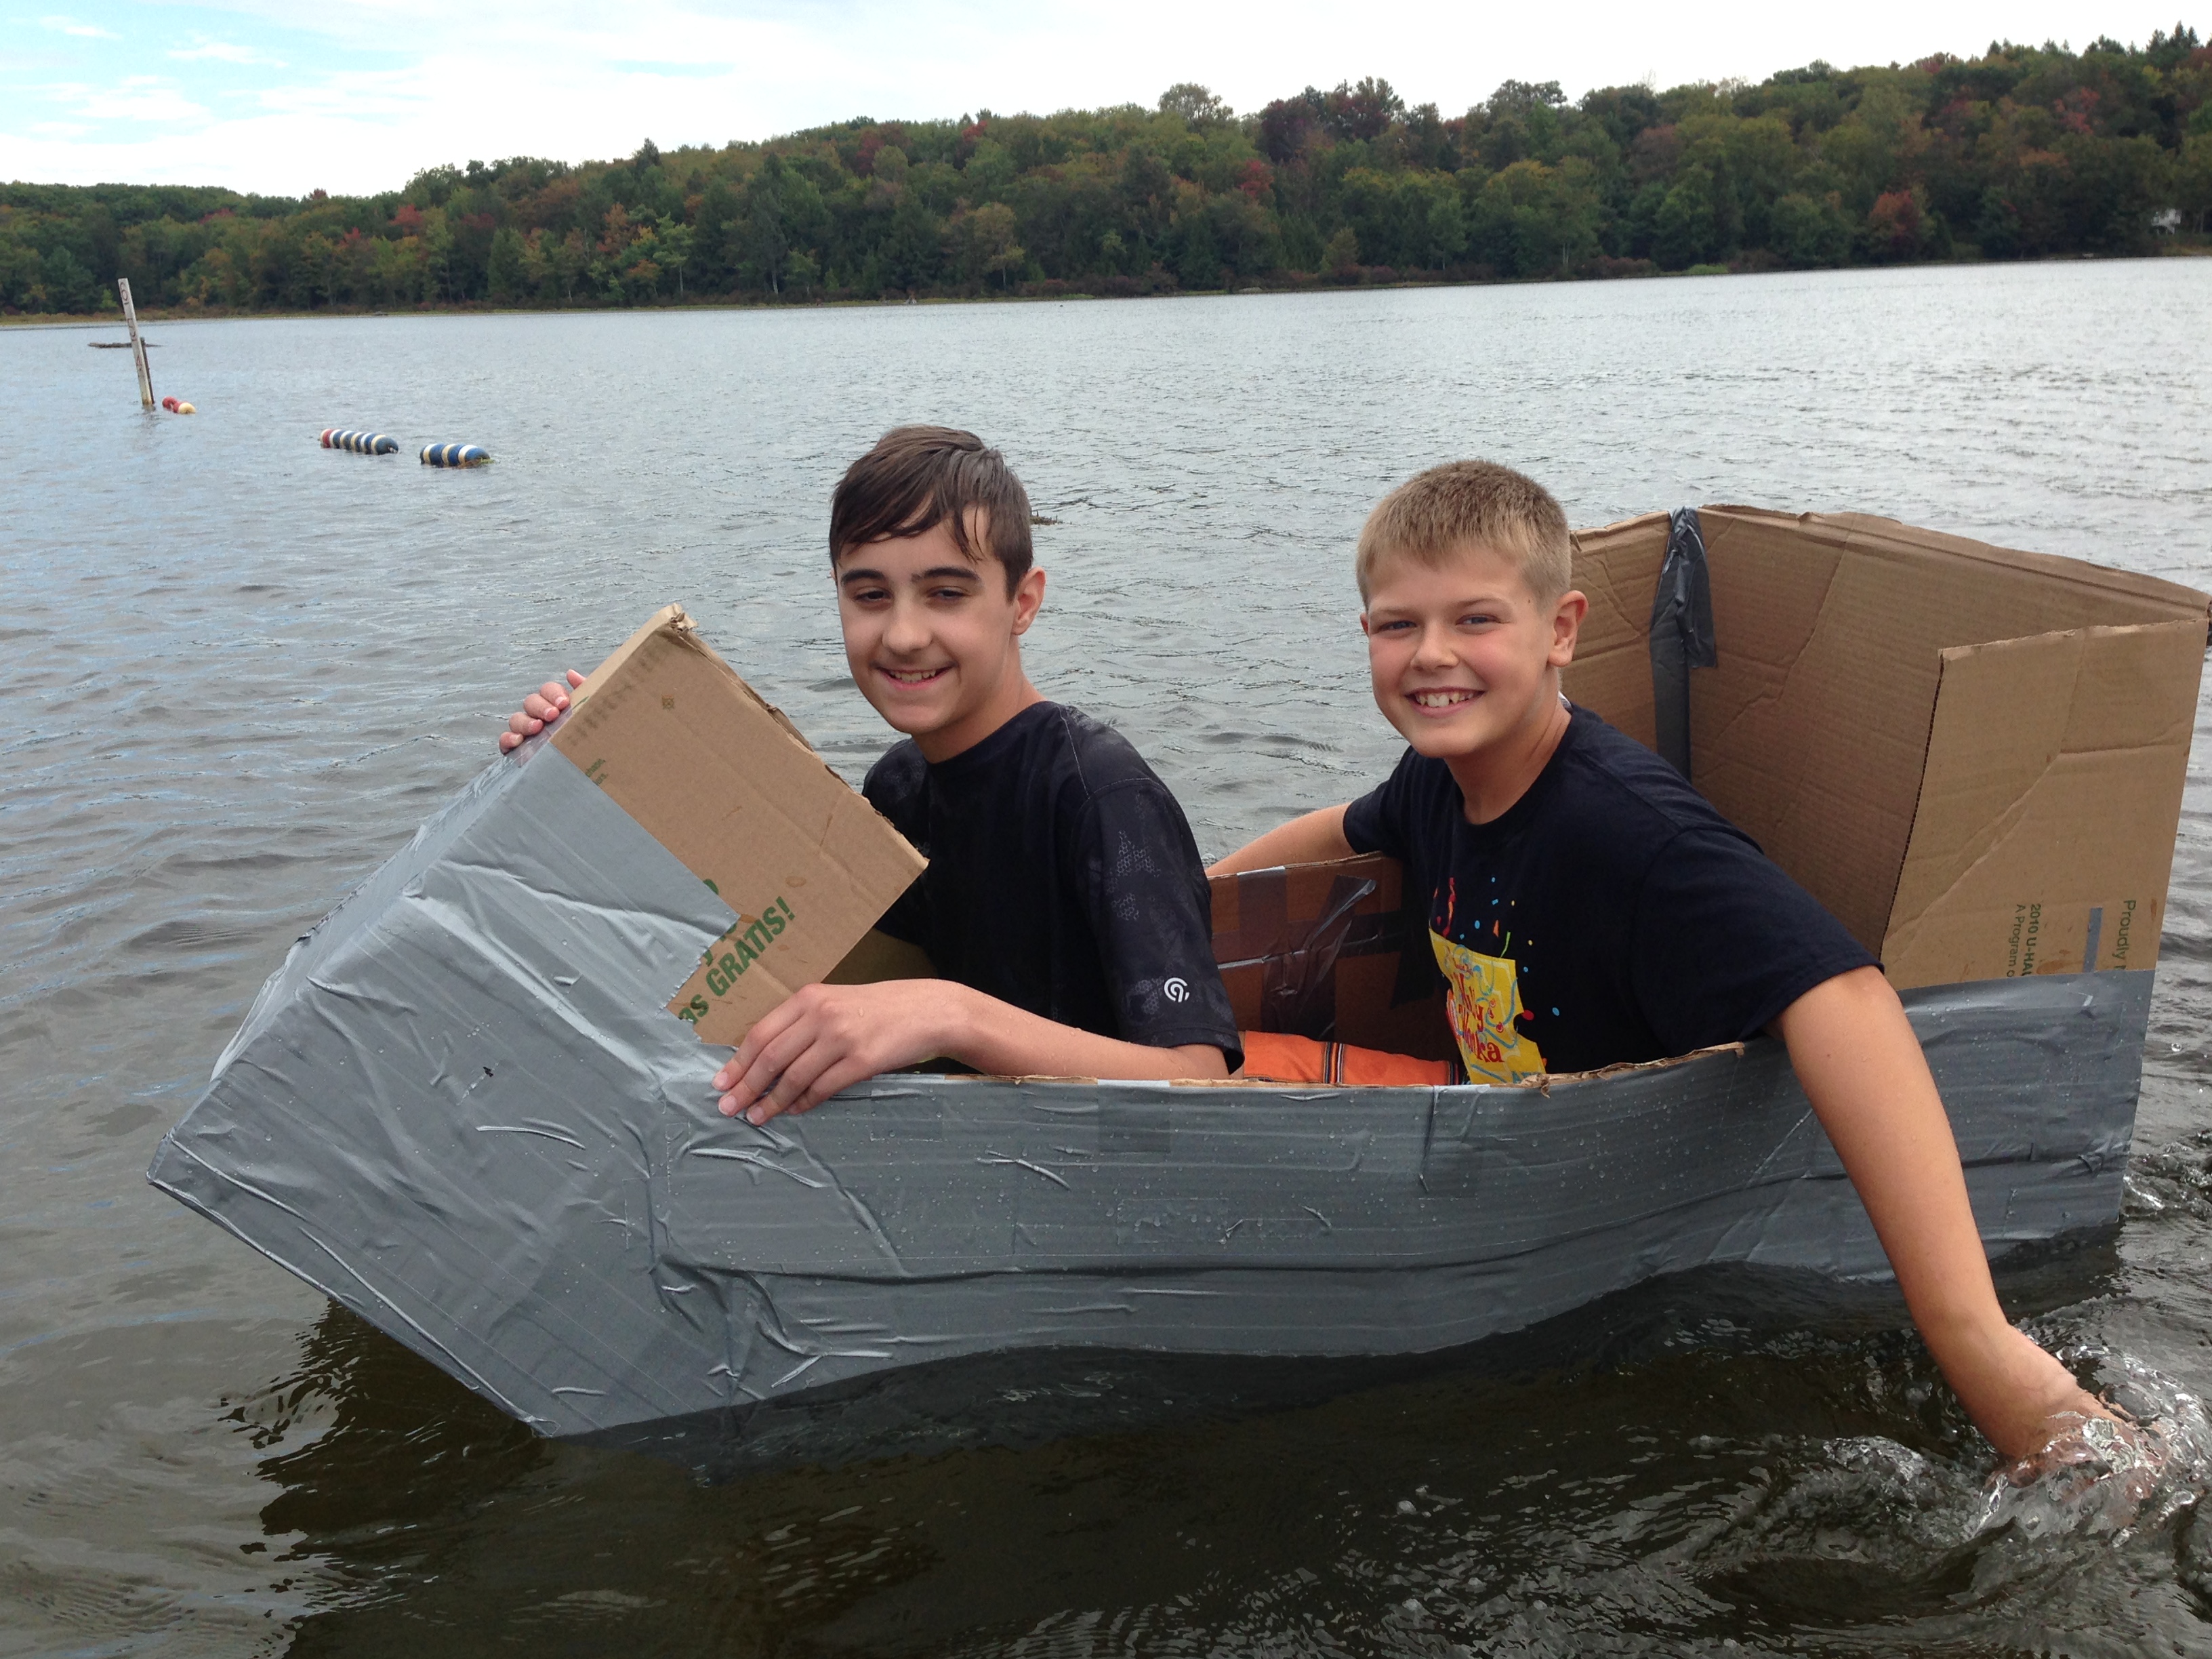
(1029, 596)
(1567, 626)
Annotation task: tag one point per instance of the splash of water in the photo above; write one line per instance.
(2104, 1478)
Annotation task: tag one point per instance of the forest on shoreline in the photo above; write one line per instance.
(2025, 152)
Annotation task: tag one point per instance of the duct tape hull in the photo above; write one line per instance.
(460, 1109)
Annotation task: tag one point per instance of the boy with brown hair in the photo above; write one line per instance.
(1065, 907)
(1587, 907)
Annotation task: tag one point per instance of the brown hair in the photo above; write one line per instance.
(1436, 513)
(917, 477)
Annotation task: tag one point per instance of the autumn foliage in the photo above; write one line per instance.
(2024, 152)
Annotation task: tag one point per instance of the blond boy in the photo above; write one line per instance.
(1588, 907)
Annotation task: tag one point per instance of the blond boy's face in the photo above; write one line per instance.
(1463, 655)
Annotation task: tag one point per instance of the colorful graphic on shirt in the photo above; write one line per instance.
(1483, 999)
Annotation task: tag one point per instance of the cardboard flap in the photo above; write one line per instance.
(1617, 568)
(2044, 835)
(719, 777)
(1812, 732)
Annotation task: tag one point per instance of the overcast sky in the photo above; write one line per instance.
(287, 95)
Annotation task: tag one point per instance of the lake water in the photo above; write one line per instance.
(240, 669)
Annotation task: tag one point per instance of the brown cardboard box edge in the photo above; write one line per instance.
(1859, 821)
(2039, 747)
(717, 775)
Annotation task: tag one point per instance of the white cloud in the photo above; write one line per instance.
(82, 31)
(223, 51)
(139, 98)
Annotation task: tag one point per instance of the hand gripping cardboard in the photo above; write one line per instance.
(719, 777)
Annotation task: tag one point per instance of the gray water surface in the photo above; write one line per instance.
(240, 669)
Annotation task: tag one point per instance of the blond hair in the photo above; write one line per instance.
(1446, 509)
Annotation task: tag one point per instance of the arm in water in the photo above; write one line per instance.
(1860, 1065)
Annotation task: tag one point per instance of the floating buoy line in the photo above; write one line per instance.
(352, 439)
(455, 455)
(360, 443)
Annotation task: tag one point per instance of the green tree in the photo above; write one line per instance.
(913, 246)
(69, 282)
(1807, 232)
(2193, 179)
(983, 243)
(764, 247)
(1189, 102)
(676, 243)
(504, 272)
(1682, 234)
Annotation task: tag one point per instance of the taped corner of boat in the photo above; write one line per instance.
(358, 442)
(532, 1189)
(456, 455)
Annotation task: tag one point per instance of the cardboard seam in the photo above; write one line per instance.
(1879, 534)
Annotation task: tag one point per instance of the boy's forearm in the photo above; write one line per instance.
(1004, 1041)
(1315, 838)
(1860, 1067)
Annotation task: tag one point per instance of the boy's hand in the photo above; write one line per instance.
(548, 702)
(825, 1037)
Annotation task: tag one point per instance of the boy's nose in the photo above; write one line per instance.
(907, 630)
(1434, 648)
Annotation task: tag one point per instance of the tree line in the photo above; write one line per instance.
(2024, 152)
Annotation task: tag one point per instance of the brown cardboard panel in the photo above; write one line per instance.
(1617, 569)
(725, 783)
(1811, 732)
(2045, 834)
(1808, 733)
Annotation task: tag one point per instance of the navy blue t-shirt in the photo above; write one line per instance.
(1062, 878)
(1608, 915)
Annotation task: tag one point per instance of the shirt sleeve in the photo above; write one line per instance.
(1723, 941)
(890, 789)
(1145, 890)
(1379, 822)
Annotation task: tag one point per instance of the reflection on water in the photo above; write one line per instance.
(1686, 1464)
(242, 669)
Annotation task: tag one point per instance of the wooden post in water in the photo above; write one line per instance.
(137, 345)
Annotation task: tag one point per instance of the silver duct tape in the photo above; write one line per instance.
(461, 1109)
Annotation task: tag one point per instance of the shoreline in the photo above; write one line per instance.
(2192, 249)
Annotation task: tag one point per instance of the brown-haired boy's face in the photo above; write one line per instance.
(931, 636)
(1461, 654)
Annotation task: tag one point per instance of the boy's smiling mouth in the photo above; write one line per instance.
(914, 677)
(1439, 697)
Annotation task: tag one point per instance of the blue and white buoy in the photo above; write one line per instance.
(360, 443)
(456, 455)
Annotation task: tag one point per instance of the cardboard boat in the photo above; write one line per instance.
(469, 1108)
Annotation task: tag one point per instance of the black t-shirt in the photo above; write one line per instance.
(1609, 915)
(1062, 878)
